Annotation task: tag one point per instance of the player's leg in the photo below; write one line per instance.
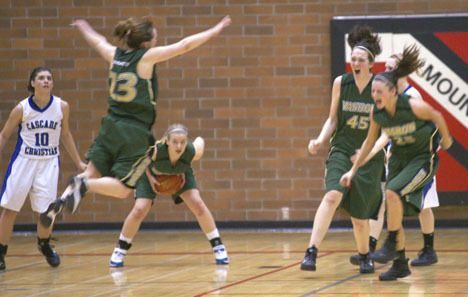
(129, 230)
(143, 202)
(322, 221)
(16, 186)
(427, 255)
(7, 220)
(361, 236)
(42, 194)
(394, 246)
(374, 233)
(205, 219)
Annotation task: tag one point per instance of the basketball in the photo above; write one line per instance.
(168, 184)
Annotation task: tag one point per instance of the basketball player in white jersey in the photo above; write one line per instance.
(42, 122)
(427, 255)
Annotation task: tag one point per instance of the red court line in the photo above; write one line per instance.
(209, 253)
(256, 276)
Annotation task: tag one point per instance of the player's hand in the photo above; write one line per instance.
(346, 179)
(182, 175)
(226, 21)
(79, 23)
(314, 146)
(446, 143)
(152, 180)
(82, 166)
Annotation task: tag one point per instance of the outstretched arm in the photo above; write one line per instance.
(67, 139)
(330, 124)
(95, 40)
(163, 53)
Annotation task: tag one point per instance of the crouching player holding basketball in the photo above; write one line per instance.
(172, 155)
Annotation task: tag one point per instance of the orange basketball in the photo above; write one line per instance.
(169, 184)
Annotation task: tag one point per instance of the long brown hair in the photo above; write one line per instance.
(133, 33)
(406, 63)
(362, 36)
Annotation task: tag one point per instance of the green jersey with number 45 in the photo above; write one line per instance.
(130, 96)
(409, 135)
(353, 116)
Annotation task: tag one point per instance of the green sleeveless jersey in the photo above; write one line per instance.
(163, 163)
(409, 135)
(131, 97)
(353, 116)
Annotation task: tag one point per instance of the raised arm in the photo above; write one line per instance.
(163, 53)
(11, 124)
(330, 124)
(424, 111)
(67, 139)
(366, 147)
(199, 145)
(95, 40)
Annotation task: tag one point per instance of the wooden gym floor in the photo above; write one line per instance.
(266, 263)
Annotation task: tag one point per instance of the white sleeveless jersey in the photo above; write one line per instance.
(39, 132)
(412, 92)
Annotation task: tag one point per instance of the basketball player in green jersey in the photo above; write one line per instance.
(173, 155)
(413, 127)
(117, 154)
(427, 255)
(348, 121)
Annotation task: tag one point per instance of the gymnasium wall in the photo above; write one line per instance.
(257, 93)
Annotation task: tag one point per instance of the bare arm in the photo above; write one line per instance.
(424, 111)
(364, 151)
(14, 119)
(381, 142)
(67, 139)
(95, 40)
(163, 53)
(199, 145)
(330, 124)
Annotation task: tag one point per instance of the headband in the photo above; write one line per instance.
(366, 49)
(177, 130)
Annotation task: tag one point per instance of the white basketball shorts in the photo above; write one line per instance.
(24, 176)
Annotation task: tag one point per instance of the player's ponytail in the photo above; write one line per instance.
(132, 34)
(362, 36)
(406, 63)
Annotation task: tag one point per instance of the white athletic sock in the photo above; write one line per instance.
(126, 239)
(212, 234)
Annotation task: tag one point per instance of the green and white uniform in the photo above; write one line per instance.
(163, 165)
(125, 132)
(364, 197)
(414, 161)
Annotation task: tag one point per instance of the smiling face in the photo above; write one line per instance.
(176, 142)
(42, 82)
(382, 93)
(360, 62)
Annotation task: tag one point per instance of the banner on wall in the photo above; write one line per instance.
(443, 44)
